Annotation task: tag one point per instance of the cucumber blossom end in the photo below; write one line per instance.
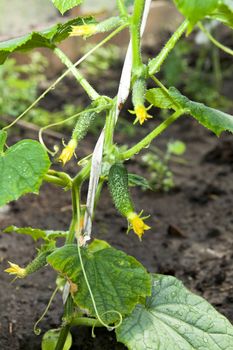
(141, 114)
(36, 264)
(16, 270)
(138, 98)
(137, 224)
(68, 152)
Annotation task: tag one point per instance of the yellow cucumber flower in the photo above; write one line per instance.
(68, 152)
(137, 224)
(83, 30)
(15, 269)
(141, 114)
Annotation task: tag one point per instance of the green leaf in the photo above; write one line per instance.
(50, 339)
(194, 10)
(137, 180)
(117, 280)
(22, 168)
(224, 13)
(211, 118)
(173, 318)
(36, 233)
(65, 5)
(47, 38)
(158, 98)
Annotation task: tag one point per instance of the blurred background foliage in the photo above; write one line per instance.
(195, 67)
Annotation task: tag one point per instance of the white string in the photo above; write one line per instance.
(123, 92)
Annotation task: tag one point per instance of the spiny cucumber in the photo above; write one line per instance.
(83, 124)
(37, 263)
(118, 186)
(138, 93)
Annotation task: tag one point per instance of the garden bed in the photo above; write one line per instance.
(191, 237)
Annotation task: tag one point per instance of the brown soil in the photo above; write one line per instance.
(191, 238)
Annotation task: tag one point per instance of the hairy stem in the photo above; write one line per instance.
(109, 128)
(156, 63)
(83, 82)
(76, 214)
(82, 175)
(135, 34)
(151, 136)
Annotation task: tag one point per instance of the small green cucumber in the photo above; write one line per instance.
(109, 24)
(118, 186)
(36, 264)
(83, 124)
(138, 92)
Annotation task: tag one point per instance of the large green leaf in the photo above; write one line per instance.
(224, 13)
(47, 38)
(195, 10)
(36, 233)
(211, 118)
(65, 5)
(117, 280)
(22, 168)
(173, 318)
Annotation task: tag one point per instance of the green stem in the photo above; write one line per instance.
(58, 178)
(62, 337)
(214, 41)
(85, 321)
(135, 35)
(122, 9)
(69, 306)
(109, 128)
(82, 175)
(56, 181)
(61, 175)
(83, 82)
(76, 214)
(156, 63)
(98, 191)
(147, 140)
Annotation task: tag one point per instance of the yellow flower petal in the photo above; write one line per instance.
(137, 224)
(141, 114)
(83, 30)
(68, 152)
(15, 269)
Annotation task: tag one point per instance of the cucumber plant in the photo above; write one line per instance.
(103, 286)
